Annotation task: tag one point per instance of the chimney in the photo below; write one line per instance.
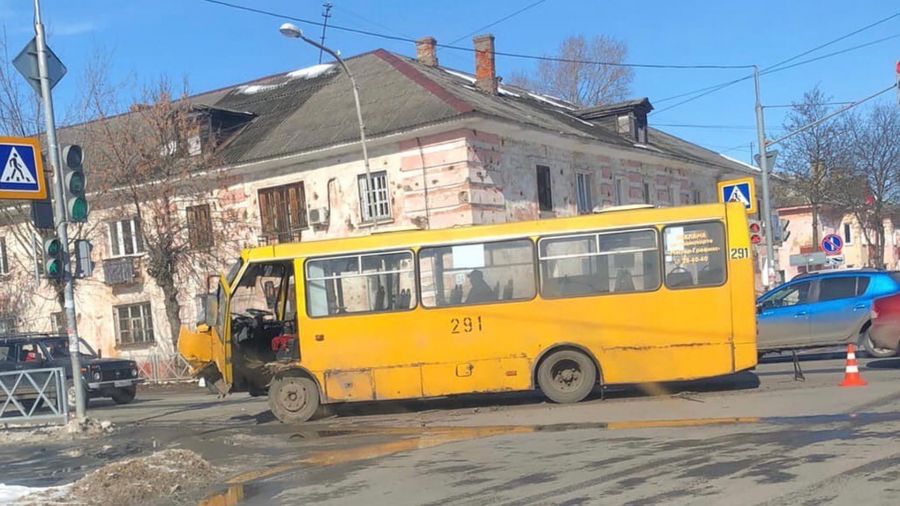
(425, 53)
(485, 72)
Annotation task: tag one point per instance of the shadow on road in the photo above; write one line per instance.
(887, 363)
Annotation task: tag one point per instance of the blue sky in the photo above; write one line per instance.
(213, 46)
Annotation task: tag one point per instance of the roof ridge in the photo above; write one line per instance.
(415, 75)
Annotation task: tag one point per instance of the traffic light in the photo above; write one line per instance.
(53, 258)
(755, 232)
(75, 184)
(84, 264)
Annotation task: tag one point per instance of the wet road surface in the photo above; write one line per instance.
(754, 438)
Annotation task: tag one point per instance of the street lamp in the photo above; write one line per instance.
(292, 31)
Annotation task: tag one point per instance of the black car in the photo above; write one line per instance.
(102, 377)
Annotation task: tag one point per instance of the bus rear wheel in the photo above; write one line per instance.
(293, 399)
(566, 376)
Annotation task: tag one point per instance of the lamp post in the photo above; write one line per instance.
(291, 30)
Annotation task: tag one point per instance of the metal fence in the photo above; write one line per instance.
(157, 367)
(33, 395)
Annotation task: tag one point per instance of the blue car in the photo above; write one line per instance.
(823, 309)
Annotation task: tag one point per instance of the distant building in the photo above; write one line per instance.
(447, 149)
(857, 250)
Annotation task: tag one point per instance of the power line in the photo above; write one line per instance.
(790, 106)
(469, 49)
(495, 23)
(772, 68)
(768, 70)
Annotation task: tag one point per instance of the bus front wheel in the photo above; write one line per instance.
(566, 376)
(293, 399)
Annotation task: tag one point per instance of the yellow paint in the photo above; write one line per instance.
(41, 180)
(646, 337)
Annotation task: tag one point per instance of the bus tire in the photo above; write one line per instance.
(293, 399)
(566, 376)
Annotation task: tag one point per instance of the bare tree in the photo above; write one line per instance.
(811, 160)
(159, 162)
(869, 187)
(587, 74)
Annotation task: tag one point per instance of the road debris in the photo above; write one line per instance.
(167, 476)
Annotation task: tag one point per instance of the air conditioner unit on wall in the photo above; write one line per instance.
(318, 216)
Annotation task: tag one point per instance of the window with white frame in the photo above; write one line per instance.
(4, 257)
(134, 324)
(583, 195)
(125, 238)
(375, 204)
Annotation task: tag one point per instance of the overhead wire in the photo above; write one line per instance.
(370, 33)
(495, 23)
(778, 66)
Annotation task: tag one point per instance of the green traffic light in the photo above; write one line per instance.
(78, 209)
(75, 182)
(53, 268)
(52, 247)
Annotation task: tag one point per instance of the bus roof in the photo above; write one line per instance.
(414, 238)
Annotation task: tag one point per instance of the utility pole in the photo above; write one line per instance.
(326, 15)
(60, 210)
(768, 276)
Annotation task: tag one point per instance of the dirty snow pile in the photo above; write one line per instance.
(167, 476)
(19, 433)
(10, 494)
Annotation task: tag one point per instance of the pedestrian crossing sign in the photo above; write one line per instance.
(739, 190)
(21, 170)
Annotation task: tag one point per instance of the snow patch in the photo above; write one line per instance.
(466, 77)
(253, 89)
(311, 72)
(554, 101)
(504, 91)
(10, 494)
(745, 164)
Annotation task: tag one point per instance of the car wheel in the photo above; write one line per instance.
(873, 350)
(566, 376)
(124, 395)
(293, 399)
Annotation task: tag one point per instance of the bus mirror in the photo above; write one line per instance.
(271, 294)
(206, 309)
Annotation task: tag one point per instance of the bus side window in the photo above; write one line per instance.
(695, 255)
(478, 273)
(375, 282)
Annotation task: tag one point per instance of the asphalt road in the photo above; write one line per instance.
(753, 438)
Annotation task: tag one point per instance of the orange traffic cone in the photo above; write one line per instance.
(851, 372)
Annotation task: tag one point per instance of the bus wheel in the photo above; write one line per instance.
(566, 376)
(293, 399)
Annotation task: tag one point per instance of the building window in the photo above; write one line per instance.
(282, 211)
(620, 197)
(647, 198)
(4, 258)
(848, 234)
(583, 197)
(545, 197)
(134, 324)
(199, 222)
(375, 204)
(125, 238)
(696, 198)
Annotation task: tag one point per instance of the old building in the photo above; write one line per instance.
(446, 148)
(858, 248)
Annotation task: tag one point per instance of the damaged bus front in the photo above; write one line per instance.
(225, 322)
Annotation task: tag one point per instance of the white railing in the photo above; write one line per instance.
(33, 395)
(159, 367)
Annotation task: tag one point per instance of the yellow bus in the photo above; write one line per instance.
(563, 305)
